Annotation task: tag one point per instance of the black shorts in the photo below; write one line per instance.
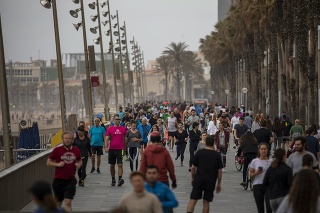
(97, 150)
(143, 144)
(115, 156)
(203, 186)
(64, 189)
(171, 134)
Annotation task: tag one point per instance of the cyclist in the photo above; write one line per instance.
(249, 148)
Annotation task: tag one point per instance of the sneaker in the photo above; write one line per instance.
(189, 169)
(81, 183)
(92, 170)
(120, 182)
(243, 184)
(98, 170)
(176, 158)
(234, 147)
(223, 170)
(113, 183)
(181, 163)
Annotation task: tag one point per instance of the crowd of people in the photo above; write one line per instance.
(277, 154)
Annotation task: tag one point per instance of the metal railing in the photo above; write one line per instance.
(15, 180)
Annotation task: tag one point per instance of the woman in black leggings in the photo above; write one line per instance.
(249, 148)
(133, 144)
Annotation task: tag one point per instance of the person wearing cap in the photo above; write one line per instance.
(65, 159)
(157, 155)
(43, 197)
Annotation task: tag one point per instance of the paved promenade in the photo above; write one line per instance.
(99, 195)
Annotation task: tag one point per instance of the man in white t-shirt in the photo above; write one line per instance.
(234, 121)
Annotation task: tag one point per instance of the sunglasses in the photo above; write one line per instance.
(118, 119)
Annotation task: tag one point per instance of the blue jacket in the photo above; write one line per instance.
(144, 133)
(164, 194)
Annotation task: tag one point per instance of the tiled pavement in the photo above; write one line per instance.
(99, 195)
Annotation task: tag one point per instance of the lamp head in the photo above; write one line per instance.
(77, 26)
(46, 3)
(116, 33)
(97, 41)
(92, 5)
(74, 13)
(105, 14)
(76, 1)
(104, 23)
(103, 4)
(122, 28)
(94, 18)
(94, 30)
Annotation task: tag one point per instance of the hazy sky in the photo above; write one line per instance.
(28, 27)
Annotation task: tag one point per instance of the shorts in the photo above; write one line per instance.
(97, 150)
(115, 156)
(203, 186)
(143, 144)
(64, 189)
(171, 134)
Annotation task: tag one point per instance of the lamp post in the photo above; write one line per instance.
(227, 92)
(74, 13)
(5, 105)
(245, 91)
(212, 93)
(47, 4)
(128, 63)
(121, 63)
(134, 53)
(103, 70)
(112, 52)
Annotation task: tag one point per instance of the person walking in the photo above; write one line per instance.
(161, 190)
(181, 137)
(239, 130)
(97, 137)
(296, 130)
(277, 128)
(212, 126)
(295, 160)
(139, 200)
(192, 119)
(312, 143)
(83, 144)
(248, 121)
(264, 135)
(157, 155)
(258, 169)
(278, 179)
(286, 125)
(114, 146)
(65, 159)
(43, 197)
(205, 175)
(195, 137)
(304, 184)
(249, 148)
(171, 124)
(256, 123)
(202, 143)
(221, 141)
(133, 138)
(144, 129)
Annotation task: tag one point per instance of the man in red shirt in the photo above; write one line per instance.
(114, 145)
(66, 159)
(159, 156)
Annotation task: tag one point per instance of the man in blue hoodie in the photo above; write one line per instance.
(161, 190)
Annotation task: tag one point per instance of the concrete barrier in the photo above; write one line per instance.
(15, 181)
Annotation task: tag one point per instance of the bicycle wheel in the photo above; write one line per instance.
(238, 164)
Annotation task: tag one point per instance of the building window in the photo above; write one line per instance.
(18, 73)
(30, 72)
(35, 79)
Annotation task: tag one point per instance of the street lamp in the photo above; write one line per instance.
(111, 50)
(245, 91)
(99, 41)
(86, 55)
(227, 92)
(212, 93)
(47, 4)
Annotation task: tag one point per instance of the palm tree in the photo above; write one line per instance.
(164, 65)
(177, 54)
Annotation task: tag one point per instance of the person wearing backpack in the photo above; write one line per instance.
(296, 130)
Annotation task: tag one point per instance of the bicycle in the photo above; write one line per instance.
(249, 181)
(239, 161)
